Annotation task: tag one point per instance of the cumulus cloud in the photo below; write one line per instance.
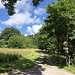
(22, 16)
(1, 5)
(34, 29)
(24, 5)
(39, 11)
(29, 30)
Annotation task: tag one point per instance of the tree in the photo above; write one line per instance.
(34, 40)
(2, 43)
(60, 24)
(46, 39)
(8, 32)
(61, 19)
(9, 5)
(16, 41)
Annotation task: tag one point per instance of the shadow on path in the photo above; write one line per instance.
(40, 69)
(36, 70)
(48, 59)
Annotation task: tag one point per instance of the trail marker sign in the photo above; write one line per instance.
(65, 43)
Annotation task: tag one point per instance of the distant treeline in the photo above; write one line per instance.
(12, 38)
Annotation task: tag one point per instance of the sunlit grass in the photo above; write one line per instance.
(70, 68)
(27, 59)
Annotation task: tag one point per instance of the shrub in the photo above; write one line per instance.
(2, 43)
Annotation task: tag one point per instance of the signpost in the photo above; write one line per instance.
(65, 47)
(65, 44)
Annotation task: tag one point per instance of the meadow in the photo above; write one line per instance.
(17, 59)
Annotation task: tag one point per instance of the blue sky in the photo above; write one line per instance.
(28, 19)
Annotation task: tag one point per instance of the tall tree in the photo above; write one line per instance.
(61, 16)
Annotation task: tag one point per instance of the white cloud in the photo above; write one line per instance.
(29, 30)
(39, 11)
(22, 16)
(34, 29)
(25, 34)
(24, 5)
(1, 5)
(20, 19)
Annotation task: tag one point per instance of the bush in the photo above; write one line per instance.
(20, 42)
(2, 43)
(16, 41)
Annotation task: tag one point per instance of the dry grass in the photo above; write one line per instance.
(18, 51)
(26, 59)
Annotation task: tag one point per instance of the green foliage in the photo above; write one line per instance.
(16, 41)
(62, 24)
(9, 5)
(70, 68)
(2, 43)
(59, 27)
(58, 61)
(12, 38)
(21, 42)
(36, 2)
(8, 32)
(33, 40)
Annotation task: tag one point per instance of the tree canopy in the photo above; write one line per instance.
(8, 32)
(59, 25)
(9, 5)
(12, 38)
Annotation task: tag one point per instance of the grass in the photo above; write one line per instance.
(70, 68)
(61, 62)
(20, 59)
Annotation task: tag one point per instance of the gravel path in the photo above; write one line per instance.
(40, 69)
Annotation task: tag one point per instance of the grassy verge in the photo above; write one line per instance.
(20, 59)
(70, 68)
(61, 62)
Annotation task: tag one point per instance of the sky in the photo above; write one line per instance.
(28, 18)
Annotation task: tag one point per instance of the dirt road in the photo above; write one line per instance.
(40, 69)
